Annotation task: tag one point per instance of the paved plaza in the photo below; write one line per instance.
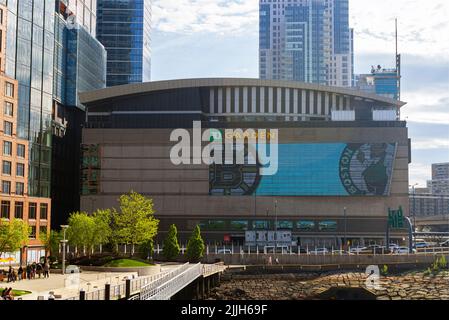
(60, 284)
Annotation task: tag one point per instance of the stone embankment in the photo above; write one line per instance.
(409, 286)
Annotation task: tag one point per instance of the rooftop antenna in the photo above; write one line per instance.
(398, 65)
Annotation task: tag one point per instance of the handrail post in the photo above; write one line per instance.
(128, 289)
(82, 295)
(107, 291)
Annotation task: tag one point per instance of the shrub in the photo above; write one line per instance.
(171, 246)
(384, 270)
(195, 246)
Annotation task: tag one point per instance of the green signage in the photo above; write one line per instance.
(396, 218)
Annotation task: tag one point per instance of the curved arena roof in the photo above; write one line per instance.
(146, 87)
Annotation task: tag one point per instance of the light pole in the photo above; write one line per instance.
(344, 237)
(275, 226)
(64, 241)
(414, 206)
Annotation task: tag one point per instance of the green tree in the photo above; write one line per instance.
(102, 231)
(52, 241)
(195, 246)
(135, 222)
(80, 229)
(147, 249)
(13, 235)
(88, 231)
(171, 246)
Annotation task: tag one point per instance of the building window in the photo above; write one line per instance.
(32, 210)
(44, 211)
(6, 167)
(6, 187)
(9, 89)
(7, 128)
(5, 209)
(20, 170)
(33, 232)
(7, 148)
(9, 109)
(18, 210)
(20, 188)
(21, 151)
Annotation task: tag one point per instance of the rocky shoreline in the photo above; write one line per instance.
(410, 286)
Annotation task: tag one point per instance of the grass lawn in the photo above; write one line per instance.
(124, 263)
(18, 293)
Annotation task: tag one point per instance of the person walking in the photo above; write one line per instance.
(33, 270)
(20, 273)
(9, 274)
(28, 271)
(39, 269)
(46, 270)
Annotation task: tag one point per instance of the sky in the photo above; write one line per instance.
(219, 38)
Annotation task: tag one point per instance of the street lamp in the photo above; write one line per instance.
(414, 205)
(64, 242)
(275, 226)
(345, 217)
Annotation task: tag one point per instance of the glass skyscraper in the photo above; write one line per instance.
(29, 59)
(124, 29)
(80, 65)
(52, 51)
(306, 40)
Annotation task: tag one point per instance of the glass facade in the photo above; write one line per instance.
(29, 59)
(124, 28)
(86, 65)
(304, 36)
(306, 40)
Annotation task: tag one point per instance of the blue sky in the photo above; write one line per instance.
(216, 38)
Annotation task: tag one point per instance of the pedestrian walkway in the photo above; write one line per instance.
(88, 281)
(57, 283)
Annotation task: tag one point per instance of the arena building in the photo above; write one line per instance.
(343, 158)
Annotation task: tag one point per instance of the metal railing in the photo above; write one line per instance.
(118, 291)
(210, 269)
(174, 285)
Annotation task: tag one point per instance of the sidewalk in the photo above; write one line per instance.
(89, 281)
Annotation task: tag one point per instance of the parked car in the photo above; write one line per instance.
(319, 251)
(377, 249)
(357, 249)
(444, 244)
(338, 252)
(403, 250)
(224, 251)
(422, 245)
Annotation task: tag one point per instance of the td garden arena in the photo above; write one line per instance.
(342, 162)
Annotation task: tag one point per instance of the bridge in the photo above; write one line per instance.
(163, 286)
(434, 222)
(175, 281)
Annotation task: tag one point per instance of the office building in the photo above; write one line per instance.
(80, 65)
(16, 201)
(52, 52)
(381, 81)
(439, 185)
(306, 40)
(124, 29)
(333, 154)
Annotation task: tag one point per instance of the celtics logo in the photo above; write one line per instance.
(365, 169)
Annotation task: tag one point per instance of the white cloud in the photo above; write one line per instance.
(430, 144)
(420, 173)
(427, 106)
(423, 26)
(209, 16)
